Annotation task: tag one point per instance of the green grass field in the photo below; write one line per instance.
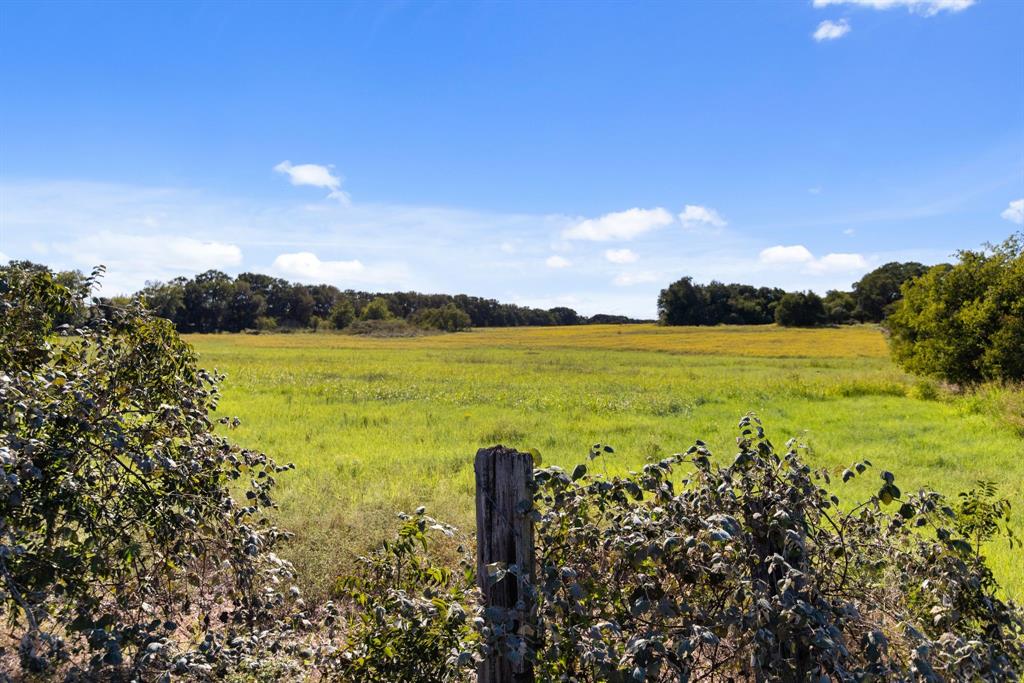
(377, 426)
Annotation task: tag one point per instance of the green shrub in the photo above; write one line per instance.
(411, 615)
(342, 314)
(266, 324)
(116, 512)
(965, 323)
(448, 318)
(752, 569)
(377, 309)
(395, 327)
(320, 324)
(925, 390)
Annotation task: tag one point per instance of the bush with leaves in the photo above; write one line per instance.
(411, 615)
(448, 318)
(377, 310)
(965, 323)
(753, 570)
(126, 523)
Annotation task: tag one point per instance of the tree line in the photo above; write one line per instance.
(871, 299)
(214, 301)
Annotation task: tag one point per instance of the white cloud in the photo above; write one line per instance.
(695, 216)
(508, 247)
(307, 266)
(3, 257)
(557, 262)
(831, 30)
(1014, 212)
(621, 255)
(315, 175)
(781, 255)
(628, 279)
(849, 231)
(928, 8)
(833, 263)
(800, 255)
(623, 225)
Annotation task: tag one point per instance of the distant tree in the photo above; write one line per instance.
(342, 314)
(562, 315)
(877, 291)
(608, 319)
(377, 310)
(205, 299)
(243, 308)
(324, 299)
(687, 303)
(965, 323)
(300, 306)
(839, 306)
(276, 292)
(166, 299)
(681, 303)
(800, 309)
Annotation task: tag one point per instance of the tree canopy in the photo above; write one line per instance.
(876, 292)
(965, 323)
(215, 302)
(686, 303)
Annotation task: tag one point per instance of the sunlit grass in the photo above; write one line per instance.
(376, 426)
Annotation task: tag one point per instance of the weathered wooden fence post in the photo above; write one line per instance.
(504, 535)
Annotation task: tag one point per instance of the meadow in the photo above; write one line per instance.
(378, 426)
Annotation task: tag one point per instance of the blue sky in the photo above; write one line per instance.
(544, 153)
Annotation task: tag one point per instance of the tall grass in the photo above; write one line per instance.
(377, 426)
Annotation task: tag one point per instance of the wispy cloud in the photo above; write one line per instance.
(928, 8)
(696, 216)
(621, 225)
(831, 30)
(315, 175)
(133, 259)
(1014, 212)
(620, 256)
(557, 262)
(630, 279)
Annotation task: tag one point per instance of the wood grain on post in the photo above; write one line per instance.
(504, 534)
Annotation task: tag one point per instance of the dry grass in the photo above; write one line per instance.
(765, 341)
